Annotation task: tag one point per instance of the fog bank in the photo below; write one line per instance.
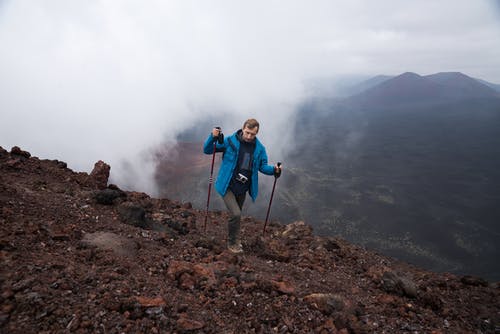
(113, 80)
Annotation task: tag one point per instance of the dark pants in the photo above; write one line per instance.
(234, 204)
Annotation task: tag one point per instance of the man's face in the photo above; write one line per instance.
(249, 134)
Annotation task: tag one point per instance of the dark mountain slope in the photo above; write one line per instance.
(404, 89)
(367, 84)
(411, 171)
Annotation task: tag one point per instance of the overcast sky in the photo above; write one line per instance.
(87, 80)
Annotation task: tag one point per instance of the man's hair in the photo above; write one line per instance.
(251, 123)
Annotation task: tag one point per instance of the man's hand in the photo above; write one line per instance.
(215, 132)
(218, 135)
(277, 169)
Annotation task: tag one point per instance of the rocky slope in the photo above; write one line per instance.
(80, 256)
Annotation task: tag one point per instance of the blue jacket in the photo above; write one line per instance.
(231, 147)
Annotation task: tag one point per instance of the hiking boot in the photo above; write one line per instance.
(235, 248)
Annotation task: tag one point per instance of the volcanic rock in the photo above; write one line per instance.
(399, 284)
(3, 152)
(100, 174)
(185, 323)
(297, 230)
(111, 241)
(108, 196)
(71, 264)
(16, 151)
(325, 302)
(473, 280)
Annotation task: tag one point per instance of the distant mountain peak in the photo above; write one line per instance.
(410, 88)
(409, 75)
(462, 85)
(448, 76)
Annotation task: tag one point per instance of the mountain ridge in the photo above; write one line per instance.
(410, 87)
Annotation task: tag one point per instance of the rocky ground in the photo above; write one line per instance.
(80, 256)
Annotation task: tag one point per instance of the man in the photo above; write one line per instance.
(244, 156)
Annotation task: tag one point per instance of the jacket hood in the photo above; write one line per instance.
(239, 135)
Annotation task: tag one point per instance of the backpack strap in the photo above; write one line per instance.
(230, 142)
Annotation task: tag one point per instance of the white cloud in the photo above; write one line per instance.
(89, 80)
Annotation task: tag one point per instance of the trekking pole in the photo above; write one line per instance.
(270, 202)
(210, 180)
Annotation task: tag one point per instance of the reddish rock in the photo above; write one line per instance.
(186, 281)
(60, 236)
(7, 308)
(375, 272)
(228, 257)
(177, 268)
(204, 275)
(297, 230)
(276, 250)
(283, 287)
(100, 174)
(186, 324)
(325, 302)
(191, 275)
(329, 325)
(151, 302)
(229, 282)
(17, 151)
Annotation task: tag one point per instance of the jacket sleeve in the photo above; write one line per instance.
(208, 146)
(263, 166)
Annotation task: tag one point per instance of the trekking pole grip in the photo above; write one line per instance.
(220, 137)
(276, 175)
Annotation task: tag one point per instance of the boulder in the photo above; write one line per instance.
(135, 215)
(399, 284)
(282, 286)
(327, 303)
(111, 241)
(60, 164)
(3, 152)
(100, 174)
(473, 280)
(331, 244)
(271, 249)
(108, 196)
(297, 230)
(132, 214)
(190, 275)
(17, 151)
(179, 227)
